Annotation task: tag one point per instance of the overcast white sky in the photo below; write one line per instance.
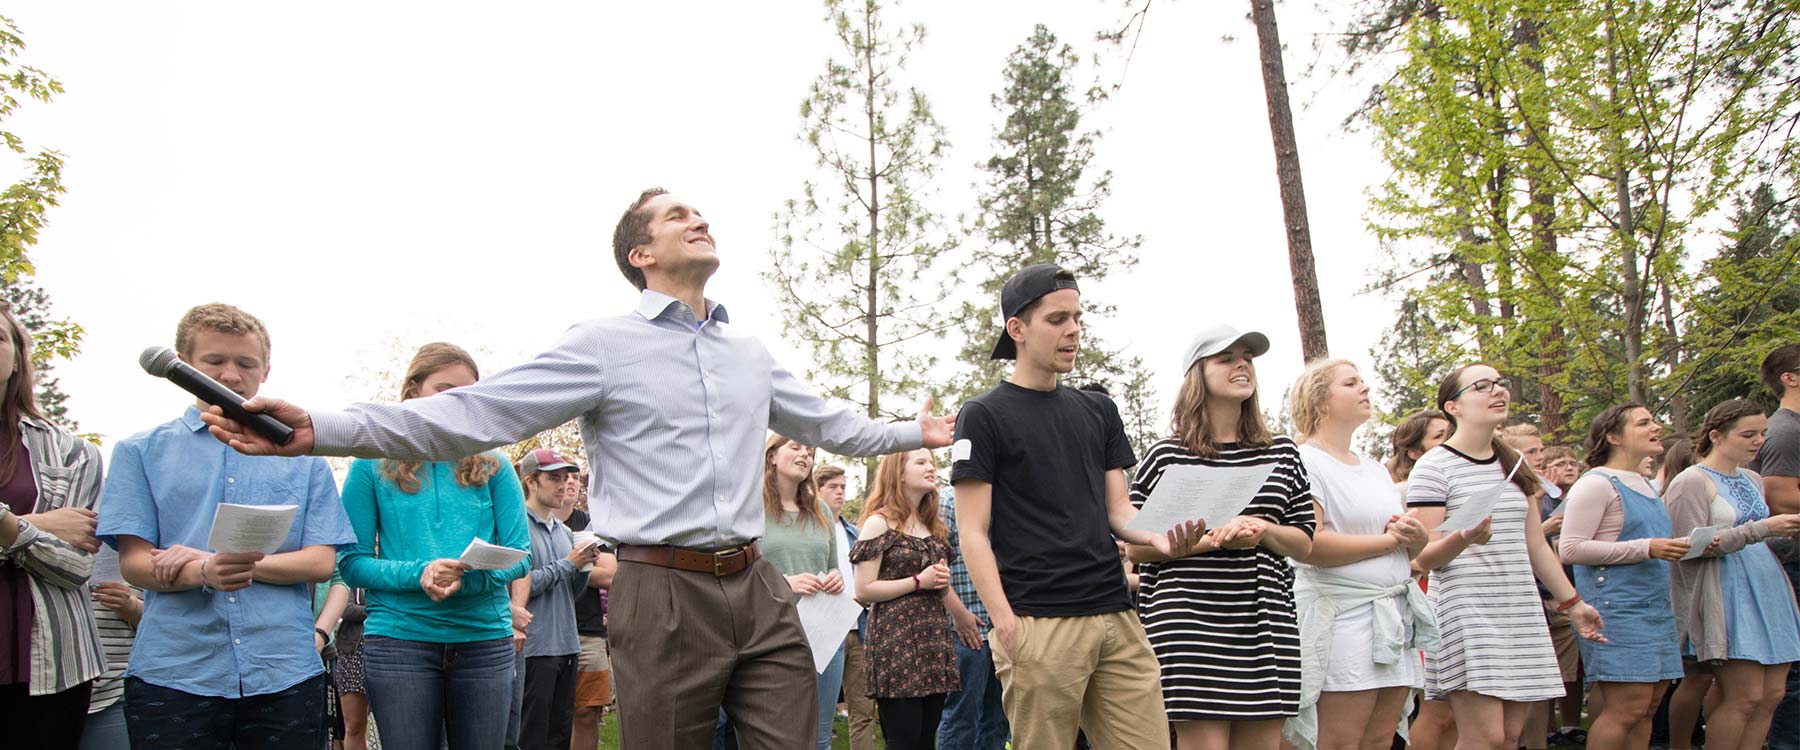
(358, 174)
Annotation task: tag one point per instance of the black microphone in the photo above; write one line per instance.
(162, 362)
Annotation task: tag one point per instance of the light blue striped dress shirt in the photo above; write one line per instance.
(673, 416)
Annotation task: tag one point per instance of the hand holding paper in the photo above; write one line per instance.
(1479, 505)
(1211, 495)
(250, 528)
(441, 579)
(480, 555)
(1700, 541)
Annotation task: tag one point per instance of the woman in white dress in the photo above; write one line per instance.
(1361, 617)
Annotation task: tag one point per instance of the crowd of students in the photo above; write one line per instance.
(1016, 602)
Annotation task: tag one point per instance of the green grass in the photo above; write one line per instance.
(840, 740)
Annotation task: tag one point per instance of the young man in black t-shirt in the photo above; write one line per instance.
(1041, 493)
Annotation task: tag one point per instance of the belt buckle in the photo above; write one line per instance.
(720, 557)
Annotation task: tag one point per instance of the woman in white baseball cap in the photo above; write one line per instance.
(1221, 621)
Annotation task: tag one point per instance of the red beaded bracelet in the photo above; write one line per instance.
(1573, 600)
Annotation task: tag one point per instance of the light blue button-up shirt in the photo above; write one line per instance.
(673, 415)
(555, 582)
(163, 487)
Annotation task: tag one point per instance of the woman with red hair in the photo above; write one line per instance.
(902, 570)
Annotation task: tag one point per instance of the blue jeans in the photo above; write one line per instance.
(105, 729)
(974, 718)
(724, 736)
(518, 701)
(829, 682)
(1784, 731)
(424, 694)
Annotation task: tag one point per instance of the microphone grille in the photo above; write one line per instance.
(158, 360)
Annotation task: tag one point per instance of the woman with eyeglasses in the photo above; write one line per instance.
(1495, 655)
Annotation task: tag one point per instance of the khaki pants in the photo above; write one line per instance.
(685, 644)
(1095, 673)
(593, 674)
(862, 707)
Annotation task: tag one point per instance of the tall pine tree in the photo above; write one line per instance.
(1042, 204)
(853, 259)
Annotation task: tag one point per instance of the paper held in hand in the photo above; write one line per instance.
(1478, 507)
(1701, 539)
(106, 566)
(1215, 494)
(825, 618)
(480, 555)
(250, 528)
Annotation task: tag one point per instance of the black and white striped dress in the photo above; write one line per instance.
(1495, 640)
(1222, 623)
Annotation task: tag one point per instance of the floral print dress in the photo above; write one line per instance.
(907, 648)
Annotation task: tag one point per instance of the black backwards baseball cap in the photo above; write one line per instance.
(1024, 288)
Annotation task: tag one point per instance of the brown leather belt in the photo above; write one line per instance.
(719, 563)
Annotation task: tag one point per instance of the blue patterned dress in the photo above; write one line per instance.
(1760, 618)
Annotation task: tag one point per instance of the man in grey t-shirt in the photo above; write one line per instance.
(1779, 464)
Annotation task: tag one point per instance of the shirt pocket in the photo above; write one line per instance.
(276, 489)
(281, 489)
(54, 485)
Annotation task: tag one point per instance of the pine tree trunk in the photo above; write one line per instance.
(1287, 170)
(872, 309)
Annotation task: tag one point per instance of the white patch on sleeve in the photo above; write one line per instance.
(959, 450)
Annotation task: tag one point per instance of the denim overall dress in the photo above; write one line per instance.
(1633, 599)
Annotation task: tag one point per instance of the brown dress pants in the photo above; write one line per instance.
(685, 644)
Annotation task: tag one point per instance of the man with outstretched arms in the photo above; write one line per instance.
(674, 405)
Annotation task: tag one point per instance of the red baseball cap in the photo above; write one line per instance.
(544, 459)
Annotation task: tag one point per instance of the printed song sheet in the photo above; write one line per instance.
(106, 566)
(1701, 539)
(250, 528)
(826, 618)
(480, 555)
(1478, 507)
(1215, 494)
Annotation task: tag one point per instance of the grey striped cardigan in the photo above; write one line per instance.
(65, 644)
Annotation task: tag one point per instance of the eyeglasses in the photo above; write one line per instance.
(1484, 385)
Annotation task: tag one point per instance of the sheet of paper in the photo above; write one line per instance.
(1478, 507)
(106, 566)
(1215, 494)
(250, 528)
(1701, 539)
(826, 618)
(480, 555)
